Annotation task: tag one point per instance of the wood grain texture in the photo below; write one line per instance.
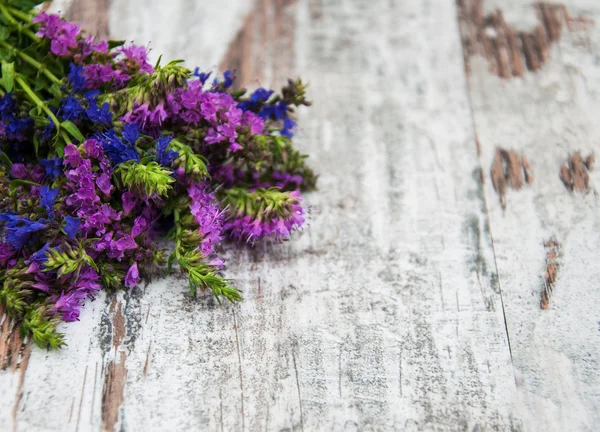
(547, 116)
(412, 299)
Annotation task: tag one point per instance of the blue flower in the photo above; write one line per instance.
(53, 167)
(18, 230)
(280, 110)
(71, 108)
(228, 79)
(117, 150)
(202, 76)
(257, 97)
(71, 226)
(102, 115)
(164, 153)
(76, 77)
(7, 105)
(288, 126)
(131, 133)
(39, 256)
(48, 198)
(91, 95)
(47, 132)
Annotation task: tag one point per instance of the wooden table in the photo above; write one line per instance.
(412, 301)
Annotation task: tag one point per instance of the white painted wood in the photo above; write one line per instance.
(548, 116)
(386, 311)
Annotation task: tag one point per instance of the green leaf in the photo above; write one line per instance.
(4, 158)
(73, 130)
(170, 263)
(39, 121)
(4, 33)
(36, 143)
(18, 182)
(8, 76)
(147, 177)
(158, 62)
(59, 146)
(115, 43)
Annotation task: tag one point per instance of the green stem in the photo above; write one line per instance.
(66, 137)
(177, 233)
(37, 100)
(33, 62)
(9, 16)
(24, 16)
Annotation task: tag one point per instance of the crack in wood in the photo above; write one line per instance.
(115, 372)
(81, 398)
(574, 173)
(26, 353)
(553, 251)
(511, 52)
(509, 169)
(239, 355)
(113, 392)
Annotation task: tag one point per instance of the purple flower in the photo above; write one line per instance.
(72, 156)
(96, 75)
(139, 226)
(71, 226)
(68, 305)
(93, 148)
(116, 248)
(132, 278)
(88, 282)
(103, 183)
(62, 34)
(208, 215)
(7, 252)
(254, 122)
(136, 57)
(129, 202)
(18, 171)
(139, 115)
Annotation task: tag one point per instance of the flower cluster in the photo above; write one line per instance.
(102, 155)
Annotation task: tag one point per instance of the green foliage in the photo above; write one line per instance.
(67, 260)
(13, 298)
(201, 275)
(260, 203)
(8, 76)
(112, 278)
(282, 157)
(192, 163)
(40, 324)
(146, 176)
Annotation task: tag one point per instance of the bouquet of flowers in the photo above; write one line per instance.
(102, 155)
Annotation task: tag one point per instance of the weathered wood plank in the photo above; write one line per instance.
(387, 311)
(547, 116)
